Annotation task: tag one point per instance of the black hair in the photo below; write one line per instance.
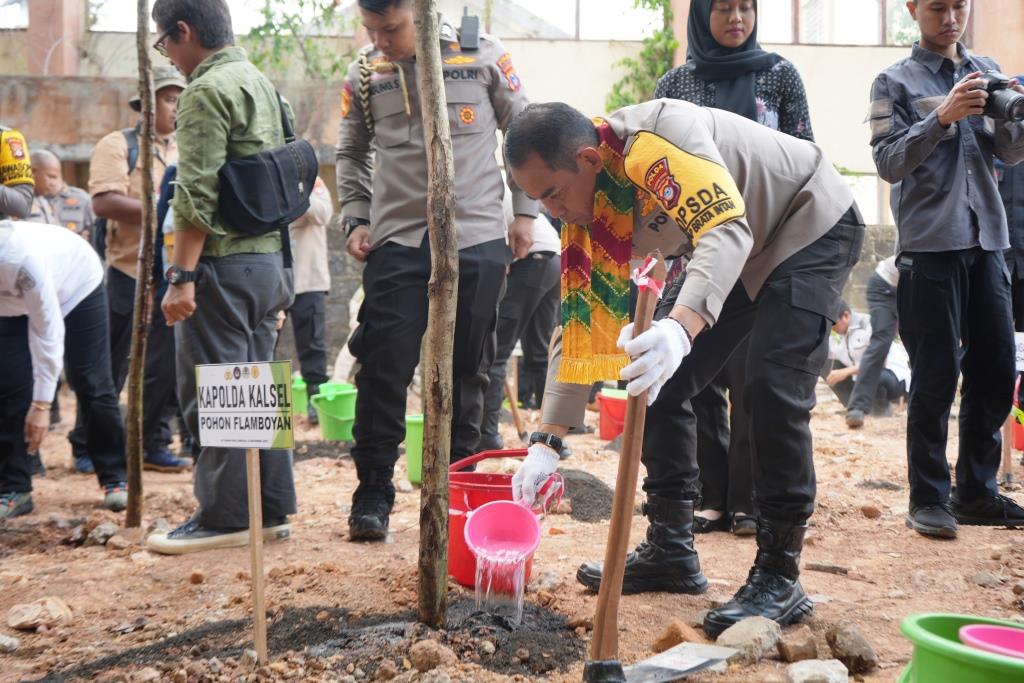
(211, 20)
(380, 6)
(554, 131)
(842, 308)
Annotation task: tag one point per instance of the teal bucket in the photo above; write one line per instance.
(337, 412)
(414, 448)
(940, 656)
(300, 401)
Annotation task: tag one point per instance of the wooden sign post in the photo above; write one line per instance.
(248, 406)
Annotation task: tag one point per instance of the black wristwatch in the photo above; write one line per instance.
(177, 276)
(550, 440)
(353, 223)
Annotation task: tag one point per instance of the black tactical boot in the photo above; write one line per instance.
(371, 505)
(773, 588)
(666, 561)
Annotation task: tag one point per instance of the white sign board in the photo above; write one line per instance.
(245, 405)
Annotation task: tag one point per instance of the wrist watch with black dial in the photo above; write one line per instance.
(177, 276)
(550, 440)
(353, 223)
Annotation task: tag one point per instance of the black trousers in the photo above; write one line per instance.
(888, 389)
(884, 321)
(788, 324)
(309, 325)
(121, 292)
(529, 312)
(87, 366)
(392, 321)
(723, 440)
(954, 310)
(159, 401)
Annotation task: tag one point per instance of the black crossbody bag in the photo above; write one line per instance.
(269, 190)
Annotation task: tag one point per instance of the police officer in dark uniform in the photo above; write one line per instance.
(382, 186)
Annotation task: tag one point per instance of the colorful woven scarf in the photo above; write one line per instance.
(595, 273)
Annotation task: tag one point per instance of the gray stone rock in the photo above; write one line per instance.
(851, 648)
(146, 675)
(249, 660)
(101, 534)
(8, 644)
(159, 526)
(817, 671)
(798, 645)
(754, 638)
(987, 579)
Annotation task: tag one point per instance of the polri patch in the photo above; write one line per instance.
(346, 100)
(467, 115)
(509, 71)
(697, 193)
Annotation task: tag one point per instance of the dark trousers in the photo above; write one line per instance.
(392, 321)
(121, 292)
(884, 320)
(528, 311)
(237, 300)
(788, 324)
(308, 323)
(159, 403)
(954, 310)
(87, 366)
(888, 389)
(723, 440)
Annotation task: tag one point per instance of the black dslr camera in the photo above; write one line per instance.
(1003, 102)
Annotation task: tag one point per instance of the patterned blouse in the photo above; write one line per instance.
(779, 93)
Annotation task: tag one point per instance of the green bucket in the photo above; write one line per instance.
(940, 657)
(337, 411)
(299, 398)
(414, 448)
(334, 387)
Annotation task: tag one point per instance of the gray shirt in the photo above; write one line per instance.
(381, 153)
(944, 194)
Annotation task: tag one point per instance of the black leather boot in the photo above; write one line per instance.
(773, 588)
(666, 561)
(371, 505)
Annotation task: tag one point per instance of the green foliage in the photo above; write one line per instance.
(300, 29)
(655, 59)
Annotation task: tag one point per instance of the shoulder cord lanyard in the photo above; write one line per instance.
(365, 70)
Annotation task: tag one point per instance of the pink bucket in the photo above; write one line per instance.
(502, 529)
(1001, 640)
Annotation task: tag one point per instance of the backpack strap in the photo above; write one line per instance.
(131, 136)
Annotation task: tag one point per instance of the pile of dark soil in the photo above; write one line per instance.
(591, 498)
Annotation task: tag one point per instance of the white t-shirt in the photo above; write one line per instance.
(45, 271)
(888, 271)
(849, 348)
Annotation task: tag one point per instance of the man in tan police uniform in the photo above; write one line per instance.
(56, 202)
(382, 187)
(773, 232)
(15, 175)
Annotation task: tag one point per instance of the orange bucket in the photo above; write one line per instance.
(612, 405)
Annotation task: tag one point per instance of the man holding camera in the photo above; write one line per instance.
(938, 121)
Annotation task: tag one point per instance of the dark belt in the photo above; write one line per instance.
(541, 255)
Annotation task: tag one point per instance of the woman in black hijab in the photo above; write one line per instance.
(727, 69)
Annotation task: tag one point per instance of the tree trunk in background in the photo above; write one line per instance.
(143, 281)
(442, 292)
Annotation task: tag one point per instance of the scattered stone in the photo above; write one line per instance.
(487, 648)
(698, 619)
(754, 638)
(1018, 588)
(435, 677)
(8, 644)
(196, 577)
(45, 613)
(996, 555)
(180, 676)
(146, 675)
(547, 581)
(101, 534)
(556, 531)
(249, 660)
(360, 674)
(798, 645)
(118, 542)
(430, 654)
(581, 620)
(675, 633)
(278, 667)
(159, 526)
(817, 671)
(323, 615)
(870, 511)
(851, 648)
(403, 486)
(523, 655)
(214, 665)
(897, 594)
(77, 536)
(564, 507)
(987, 579)
(386, 671)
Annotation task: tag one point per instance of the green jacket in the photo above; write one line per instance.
(229, 110)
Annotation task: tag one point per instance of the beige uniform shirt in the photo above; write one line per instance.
(791, 192)
(108, 172)
(309, 243)
(70, 208)
(484, 93)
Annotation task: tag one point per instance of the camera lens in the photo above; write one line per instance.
(1007, 105)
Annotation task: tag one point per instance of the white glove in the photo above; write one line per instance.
(657, 354)
(540, 463)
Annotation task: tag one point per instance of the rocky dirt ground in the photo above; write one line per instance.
(343, 612)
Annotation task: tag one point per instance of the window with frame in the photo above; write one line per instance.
(836, 22)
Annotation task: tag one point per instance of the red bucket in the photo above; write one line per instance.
(467, 491)
(613, 414)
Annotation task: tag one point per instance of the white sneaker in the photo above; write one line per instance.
(191, 537)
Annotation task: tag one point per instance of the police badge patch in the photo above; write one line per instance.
(660, 181)
(346, 100)
(509, 71)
